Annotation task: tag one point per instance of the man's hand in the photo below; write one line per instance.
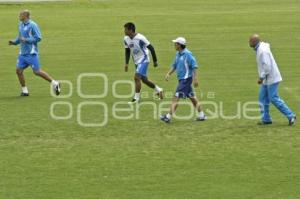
(23, 39)
(126, 67)
(167, 77)
(11, 43)
(196, 83)
(260, 81)
(155, 64)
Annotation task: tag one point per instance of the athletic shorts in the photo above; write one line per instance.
(28, 60)
(141, 69)
(184, 88)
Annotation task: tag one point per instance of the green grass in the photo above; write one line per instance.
(46, 158)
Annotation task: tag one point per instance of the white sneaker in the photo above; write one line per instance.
(56, 88)
(134, 101)
(201, 119)
(292, 121)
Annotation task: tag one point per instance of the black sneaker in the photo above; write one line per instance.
(264, 123)
(292, 121)
(24, 94)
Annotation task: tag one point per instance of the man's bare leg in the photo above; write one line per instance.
(201, 116)
(167, 118)
(150, 84)
(21, 78)
(174, 106)
(138, 87)
(55, 84)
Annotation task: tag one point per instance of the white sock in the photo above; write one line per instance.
(24, 90)
(137, 96)
(169, 116)
(157, 89)
(54, 83)
(201, 114)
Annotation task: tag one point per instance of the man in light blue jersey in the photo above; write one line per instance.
(186, 67)
(28, 38)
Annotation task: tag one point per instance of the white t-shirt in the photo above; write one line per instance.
(138, 47)
(266, 64)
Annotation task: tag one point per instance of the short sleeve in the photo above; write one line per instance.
(174, 65)
(192, 61)
(144, 41)
(125, 44)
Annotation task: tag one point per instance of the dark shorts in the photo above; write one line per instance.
(184, 88)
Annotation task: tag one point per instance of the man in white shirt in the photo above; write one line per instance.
(138, 45)
(269, 78)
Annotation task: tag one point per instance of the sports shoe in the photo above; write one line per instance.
(201, 119)
(56, 89)
(261, 123)
(165, 119)
(292, 121)
(134, 101)
(24, 94)
(160, 94)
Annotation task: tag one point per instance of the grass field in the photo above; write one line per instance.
(143, 158)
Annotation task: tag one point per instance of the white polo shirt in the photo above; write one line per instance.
(266, 64)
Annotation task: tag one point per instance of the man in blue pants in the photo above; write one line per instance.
(269, 78)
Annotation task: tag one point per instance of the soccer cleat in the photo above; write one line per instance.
(292, 121)
(165, 119)
(160, 94)
(24, 94)
(57, 89)
(261, 123)
(134, 101)
(201, 119)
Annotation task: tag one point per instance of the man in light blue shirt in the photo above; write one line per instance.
(28, 38)
(185, 66)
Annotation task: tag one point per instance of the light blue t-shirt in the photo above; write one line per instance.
(184, 63)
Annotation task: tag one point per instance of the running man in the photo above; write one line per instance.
(28, 38)
(269, 78)
(138, 45)
(186, 67)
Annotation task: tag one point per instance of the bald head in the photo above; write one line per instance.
(254, 40)
(24, 15)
